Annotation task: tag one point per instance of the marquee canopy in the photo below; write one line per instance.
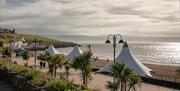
(129, 60)
(51, 50)
(74, 53)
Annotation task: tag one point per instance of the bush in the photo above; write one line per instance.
(40, 80)
(28, 73)
(61, 85)
(7, 51)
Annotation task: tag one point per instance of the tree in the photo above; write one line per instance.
(83, 63)
(48, 58)
(7, 51)
(112, 86)
(117, 72)
(133, 81)
(57, 62)
(125, 79)
(67, 67)
(26, 56)
(127, 74)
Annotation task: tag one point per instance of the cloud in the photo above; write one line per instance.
(94, 17)
(2, 3)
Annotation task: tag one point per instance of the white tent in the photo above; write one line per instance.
(16, 45)
(129, 60)
(74, 53)
(51, 50)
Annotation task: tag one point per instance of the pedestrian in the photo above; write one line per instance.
(44, 64)
(41, 65)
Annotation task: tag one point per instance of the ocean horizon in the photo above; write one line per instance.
(159, 53)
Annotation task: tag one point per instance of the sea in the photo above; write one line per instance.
(158, 53)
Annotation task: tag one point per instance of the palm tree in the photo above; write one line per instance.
(125, 79)
(57, 62)
(127, 73)
(83, 63)
(48, 58)
(133, 81)
(67, 67)
(112, 86)
(117, 72)
(26, 56)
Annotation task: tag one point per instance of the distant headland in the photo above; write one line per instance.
(9, 35)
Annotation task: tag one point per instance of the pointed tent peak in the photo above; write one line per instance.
(52, 50)
(127, 57)
(74, 53)
(125, 44)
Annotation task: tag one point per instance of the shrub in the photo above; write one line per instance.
(42, 80)
(60, 85)
(7, 51)
(38, 79)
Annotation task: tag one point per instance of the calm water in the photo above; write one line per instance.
(147, 53)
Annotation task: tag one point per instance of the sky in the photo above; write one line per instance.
(83, 20)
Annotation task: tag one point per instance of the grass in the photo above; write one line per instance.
(5, 37)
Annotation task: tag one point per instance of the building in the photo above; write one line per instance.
(12, 31)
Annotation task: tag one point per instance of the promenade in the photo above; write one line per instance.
(98, 80)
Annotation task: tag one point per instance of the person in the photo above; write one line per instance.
(15, 62)
(107, 59)
(40, 65)
(44, 64)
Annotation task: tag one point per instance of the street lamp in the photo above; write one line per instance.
(35, 42)
(114, 36)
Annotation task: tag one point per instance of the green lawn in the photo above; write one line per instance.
(41, 40)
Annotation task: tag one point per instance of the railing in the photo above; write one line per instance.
(161, 81)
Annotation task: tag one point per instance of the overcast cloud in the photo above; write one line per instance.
(158, 18)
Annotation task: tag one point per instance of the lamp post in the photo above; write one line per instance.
(114, 37)
(35, 42)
